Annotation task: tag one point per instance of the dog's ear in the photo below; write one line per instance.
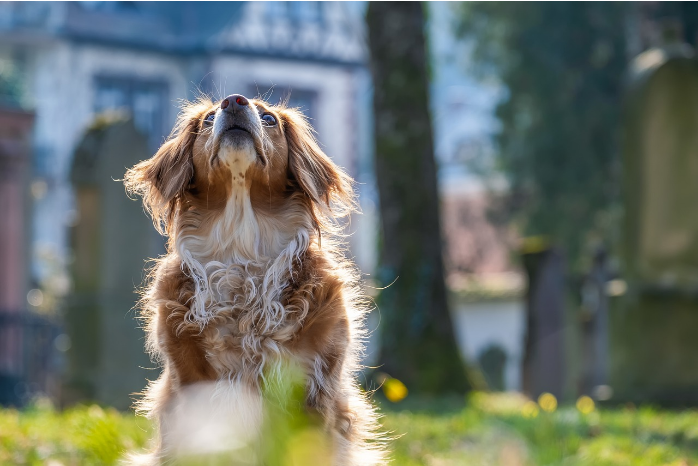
(162, 179)
(312, 172)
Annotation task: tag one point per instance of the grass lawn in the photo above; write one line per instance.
(490, 430)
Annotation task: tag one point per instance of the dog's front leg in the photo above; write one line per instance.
(174, 342)
(325, 341)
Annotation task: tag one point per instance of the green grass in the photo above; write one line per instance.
(489, 430)
(83, 435)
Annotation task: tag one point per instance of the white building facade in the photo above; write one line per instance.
(82, 58)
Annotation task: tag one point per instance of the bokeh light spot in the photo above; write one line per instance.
(35, 297)
(547, 402)
(585, 405)
(529, 410)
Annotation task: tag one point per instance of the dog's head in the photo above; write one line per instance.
(218, 149)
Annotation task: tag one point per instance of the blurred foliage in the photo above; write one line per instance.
(682, 14)
(562, 65)
(297, 437)
(490, 429)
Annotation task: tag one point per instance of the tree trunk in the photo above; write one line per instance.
(418, 344)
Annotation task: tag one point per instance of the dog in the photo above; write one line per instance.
(254, 281)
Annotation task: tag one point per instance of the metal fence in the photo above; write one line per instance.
(29, 358)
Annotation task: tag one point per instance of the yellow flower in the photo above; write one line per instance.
(529, 410)
(394, 390)
(585, 405)
(547, 402)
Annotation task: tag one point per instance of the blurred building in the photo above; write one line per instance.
(78, 59)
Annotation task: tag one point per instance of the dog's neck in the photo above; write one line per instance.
(241, 247)
(239, 234)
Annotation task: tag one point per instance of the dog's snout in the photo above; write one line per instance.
(236, 99)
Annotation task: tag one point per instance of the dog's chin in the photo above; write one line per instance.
(237, 152)
(237, 139)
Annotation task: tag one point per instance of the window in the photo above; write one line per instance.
(302, 12)
(125, 6)
(306, 11)
(277, 10)
(145, 100)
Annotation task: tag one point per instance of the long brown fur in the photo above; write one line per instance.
(249, 282)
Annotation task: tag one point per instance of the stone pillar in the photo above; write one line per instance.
(15, 135)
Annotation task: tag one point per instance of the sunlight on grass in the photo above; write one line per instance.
(80, 435)
(510, 430)
(490, 429)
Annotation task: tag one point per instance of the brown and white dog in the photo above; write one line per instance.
(254, 278)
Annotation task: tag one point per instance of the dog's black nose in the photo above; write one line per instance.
(237, 98)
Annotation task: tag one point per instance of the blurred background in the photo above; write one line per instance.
(541, 161)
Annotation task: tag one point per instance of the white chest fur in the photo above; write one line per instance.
(240, 271)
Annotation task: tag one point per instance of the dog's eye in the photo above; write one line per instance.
(268, 119)
(210, 117)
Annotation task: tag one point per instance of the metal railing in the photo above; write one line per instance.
(29, 360)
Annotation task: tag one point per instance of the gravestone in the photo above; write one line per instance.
(654, 326)
(544, 347)
(493, 361)
(111, 241)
